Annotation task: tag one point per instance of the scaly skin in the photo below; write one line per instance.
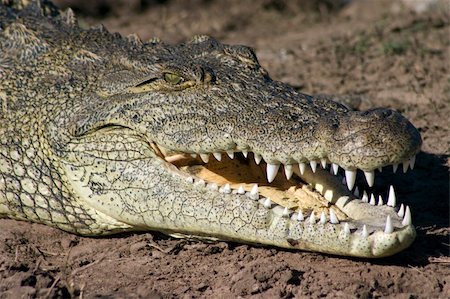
(89, 119)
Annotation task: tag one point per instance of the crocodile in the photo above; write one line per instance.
(102, 134)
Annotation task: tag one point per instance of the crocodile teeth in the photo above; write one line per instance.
(194, 156)
(230, 154)
(245, 153)
(365, 197)
(380, 200)
(267, 203)
(213, 186)
(313, 164)
(372, 200)
(288, 171)
(389, 228)
(405, 166)
(350, 177)
(218, 156)
(407, 218)
(300, 216)
(226, 189)
(394, 168)
(364, 232)
(241, 190)
(391, 197)
(335, 168)
(272, 170)
(323, 162)
(401, 211)
(312, 218)
(286, 212)
(302, 167)
(370, 177)
(204, 157)
(254, 191)
(190, 180)
(201, 182)
(412, 161)
(323, 218)
(346, 229)
(333, 218)
(258, 158)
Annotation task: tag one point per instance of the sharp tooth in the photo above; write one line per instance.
(267, 203)
(254, 191)
(407, 219)
(218, 156)
(230, 154)
(313, 165)
(401, 211)
(201, 182)
(312, 218)
(370, 177)
(194, 156)
(323, 218)
(213, 186)
(391, 197)
(258, 158)
(380, 200)
(288, 171)
(226, 189)
(394, 168)
(356, 192)
(412, 161)
(389, 228)
(350, 177)
(241, 190)
(335, 168)
(190, 180)
(245, 153)
(300, 216)
(372, 200)
(365, 197)
(346, 229)
(272, 170)
(328, 195)
(405, 166)
(364, 232)
(286, 212)
(302, 167)
(333, 218)
(204, 157)
(323, 162)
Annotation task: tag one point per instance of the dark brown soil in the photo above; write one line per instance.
(382, 52)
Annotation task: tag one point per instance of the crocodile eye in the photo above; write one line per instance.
(172, 78)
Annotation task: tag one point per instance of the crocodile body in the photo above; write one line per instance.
(103, 134)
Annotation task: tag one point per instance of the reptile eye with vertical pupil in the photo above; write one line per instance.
(172, 78)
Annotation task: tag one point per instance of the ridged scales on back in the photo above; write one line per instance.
(102, 133)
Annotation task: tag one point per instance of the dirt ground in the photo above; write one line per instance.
(382, 52)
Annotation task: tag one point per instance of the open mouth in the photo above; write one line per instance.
(312, 192)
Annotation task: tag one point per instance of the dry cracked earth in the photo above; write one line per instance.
(377, 53)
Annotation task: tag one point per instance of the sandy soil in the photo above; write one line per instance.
(381, 52)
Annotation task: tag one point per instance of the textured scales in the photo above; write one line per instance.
(103, 134)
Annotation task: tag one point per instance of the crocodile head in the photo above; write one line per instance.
(201, 141)
(107, 134)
